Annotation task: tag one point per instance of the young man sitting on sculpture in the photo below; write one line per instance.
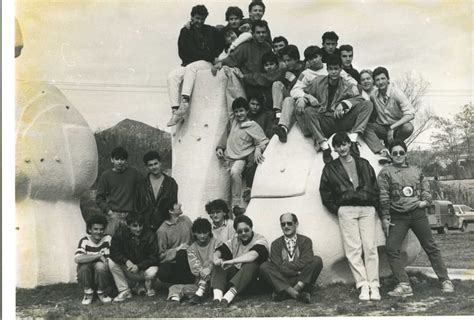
(243, 138)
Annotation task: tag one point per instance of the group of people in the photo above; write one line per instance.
(324, 93)
(143, 235)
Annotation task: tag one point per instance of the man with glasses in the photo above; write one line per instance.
(116, 190)
(293, 268)
(394, 115)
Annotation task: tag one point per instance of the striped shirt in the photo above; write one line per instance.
(87, 246)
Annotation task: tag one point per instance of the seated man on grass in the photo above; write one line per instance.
(293, 268)
(242, 139)
(134, 258)
(334, 105)
(91, 258)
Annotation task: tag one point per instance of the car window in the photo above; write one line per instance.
(457, 209)
(450, 209)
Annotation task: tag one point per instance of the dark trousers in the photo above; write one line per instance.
(93, 275)
(374, 132)
(417, 221)
(238, 278)
(323, 125)
(279, 282)
(177, 272)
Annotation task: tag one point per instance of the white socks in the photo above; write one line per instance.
(217, 294)
(230, 295)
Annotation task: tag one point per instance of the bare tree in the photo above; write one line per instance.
(415, 87)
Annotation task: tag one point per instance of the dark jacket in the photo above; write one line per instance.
(303, 255)
(337, 190)
(142, 251)
(205, 43)
(148, 206)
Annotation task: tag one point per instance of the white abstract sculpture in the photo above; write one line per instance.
(287, 181)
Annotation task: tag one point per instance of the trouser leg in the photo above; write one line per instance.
(165, 272)
(220, 276)
(349, 226)
(403, 132)
(396, 235)
(190, 72)
(175, 80)
(85, 275)
(150, 274)
(320, 125)
(421, 228)
(236, 169)
(372, 138)
(272, 275)
(119, 276)
(101, 275)
(244, 276)
(182, 271)
(310, 273)
(357, 118)
(279, 92)
(287, 117)
(369, 246)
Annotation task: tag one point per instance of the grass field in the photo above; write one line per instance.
(63, 300)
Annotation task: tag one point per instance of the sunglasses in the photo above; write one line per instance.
(241, 231)
(289, 224)
(398, 153)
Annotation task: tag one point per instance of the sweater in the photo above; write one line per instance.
(401, 189)
(204, 43)
(201, 257)
(142, 250)
(337, 190)
(224, 232)
(302, 256)
(234, 248)
(171, 235)
(116, 191)
(248, 56)
(394, 109)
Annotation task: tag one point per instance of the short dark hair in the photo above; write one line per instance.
(293, 216)
(217, 204)
(133, 217)
(165, 206)
(280, 39)
(346, 47)
(240, 102)
(397, 143)
(233, 11)
(311, 52)
(330, 35)
(201, 225)
(244, 21)
(256, 3)
(380, 70)
(269, 57)
(96, 219)
(243, 218)
(340, 138)
(200, 10)
(259, 23)
(119, 153)
(333, 60)
(257, 95)
(151, 155)
(292, 51)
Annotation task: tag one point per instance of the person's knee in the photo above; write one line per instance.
(392, 249)
(317, 262)
(150, 273)
(405, 130)
(265, 267)
(278, 85)
(100, 267)
(236, 171)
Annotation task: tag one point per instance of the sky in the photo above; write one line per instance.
(111, 58)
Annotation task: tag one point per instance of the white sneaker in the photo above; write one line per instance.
(122, 296)
(87, 299)
(103, 297)
(375, 293)
(447, 286)
(150, 293)
(364, 293)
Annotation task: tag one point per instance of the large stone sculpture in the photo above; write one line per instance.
(56, 161)
(288, 180)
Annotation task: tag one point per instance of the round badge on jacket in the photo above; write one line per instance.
(407, 191)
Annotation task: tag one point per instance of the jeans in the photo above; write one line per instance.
(236, 168)
(374, 132)
(122, 275)
(417, 221)
(239, 278)
(288, 116)
(93, 275)
(279, 92)
(357, 225)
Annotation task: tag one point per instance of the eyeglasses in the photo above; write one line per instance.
(244, 230)
(398, 153)
(289, 224)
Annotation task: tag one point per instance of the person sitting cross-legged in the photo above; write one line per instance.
(334, 105)
(293, 268)
(236, 262)
(134, 258)
(91, 258)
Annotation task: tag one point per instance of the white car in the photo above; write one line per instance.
(465, 215)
